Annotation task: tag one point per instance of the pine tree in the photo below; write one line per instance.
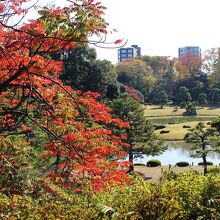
(204, 141)
(140, 136)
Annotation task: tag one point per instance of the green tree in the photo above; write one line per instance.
(163, 73)
(162, 98)
(216, 124)
(190, 109)
(214, 96)
(183, 95)
(83, 71)
(211, 66)
(203, 141)
(141, 136)
(162, 67)
(203, 99)
(136, 74)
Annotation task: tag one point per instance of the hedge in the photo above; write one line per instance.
(153, 163)
(182, 164)
(208, 163)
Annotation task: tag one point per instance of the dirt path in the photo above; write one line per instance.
(154, 173)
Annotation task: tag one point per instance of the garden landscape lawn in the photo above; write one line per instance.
(156, 111)
(175, 121)
(176, 131)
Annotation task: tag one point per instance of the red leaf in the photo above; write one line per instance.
(118, 41)
(62, 165)
(19, 11)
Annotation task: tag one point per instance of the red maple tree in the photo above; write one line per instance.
(31, 94)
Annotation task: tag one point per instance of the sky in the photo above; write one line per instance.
(160, 27)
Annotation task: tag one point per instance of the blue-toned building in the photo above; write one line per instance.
(183, 51)
(128, 52)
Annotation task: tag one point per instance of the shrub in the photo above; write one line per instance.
(183, 105)
(153, 163)
(208, 163)
(182, 164)
(186, 126)
(187, 196)
(139, 164)
(164, 132)
(191, 109)
(158, 127)
(214, 170)
(167, 175)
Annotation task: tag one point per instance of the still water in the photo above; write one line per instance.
(178, 151)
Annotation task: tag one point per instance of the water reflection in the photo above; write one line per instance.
(179, 151)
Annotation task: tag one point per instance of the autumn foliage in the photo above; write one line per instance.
(189, 65)
(31, 96)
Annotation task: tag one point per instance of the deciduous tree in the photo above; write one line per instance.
(136, 74)
(31, 94)
(188, 66)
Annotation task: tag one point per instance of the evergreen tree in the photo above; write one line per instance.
(203, 142)
(162, 98)
(202, 99)
(190, 109)
(183, 95)
(82, 70)
(216, 124)
(141, 136)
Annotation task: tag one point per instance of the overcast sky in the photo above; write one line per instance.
(159, 27)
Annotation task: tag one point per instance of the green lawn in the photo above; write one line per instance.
(173, 119)
(156, 111)
(177, 132)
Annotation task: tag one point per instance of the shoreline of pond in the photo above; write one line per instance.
(172, 140)
(155, 173)
(176, 152)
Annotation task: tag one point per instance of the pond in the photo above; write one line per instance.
(178, 151)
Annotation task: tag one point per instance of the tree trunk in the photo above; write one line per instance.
(57, 163)
(204, 159)
(204, 164)
(131, 160)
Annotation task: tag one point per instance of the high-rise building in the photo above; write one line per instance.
(128, 52)
(190, 50)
